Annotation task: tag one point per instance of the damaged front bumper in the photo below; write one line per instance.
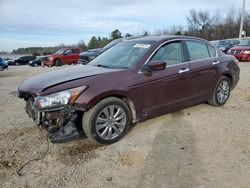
(63, 125)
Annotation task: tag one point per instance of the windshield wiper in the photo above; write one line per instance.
(104, 66)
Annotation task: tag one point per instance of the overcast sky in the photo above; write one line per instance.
(25, 23)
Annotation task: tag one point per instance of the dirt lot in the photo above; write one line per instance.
(201, 146)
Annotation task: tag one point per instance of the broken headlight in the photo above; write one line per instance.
(57, 101)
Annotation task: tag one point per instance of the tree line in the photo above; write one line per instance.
(198, 23)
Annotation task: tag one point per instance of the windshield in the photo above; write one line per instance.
(123, 55)
(114, 42)
(60, 51)
(244, 42)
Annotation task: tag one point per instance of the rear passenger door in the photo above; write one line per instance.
(204, 62)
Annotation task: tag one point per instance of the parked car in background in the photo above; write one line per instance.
(3, 64)
(214, 42)
(38, 61)
(225, 45)
(63, 56)
(8, 60)
(24, 60)
(88, 55)
(242, 50)
(130, 82)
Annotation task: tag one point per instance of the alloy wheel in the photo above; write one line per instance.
(223, 91)
(111, 122)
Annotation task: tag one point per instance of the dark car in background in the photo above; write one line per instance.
(130, 82)
(225, 45)
(3, 64)
(63, 56)
(242, 50)
(38, 61)
(8, 60)
(88, 55)
(24, 60)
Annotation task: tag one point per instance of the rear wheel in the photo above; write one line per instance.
(17, 63)
(1, 68)
(108, 121)
(221, 92)
(58, 62)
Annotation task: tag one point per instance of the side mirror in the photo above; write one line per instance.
(155, 66)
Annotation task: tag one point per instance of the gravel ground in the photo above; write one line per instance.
(200, 146)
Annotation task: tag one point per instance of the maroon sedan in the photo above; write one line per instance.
(133, 81)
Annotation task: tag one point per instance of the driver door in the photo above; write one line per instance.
(165, 90)
(67, 56)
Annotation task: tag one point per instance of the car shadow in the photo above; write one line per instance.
(173, 160)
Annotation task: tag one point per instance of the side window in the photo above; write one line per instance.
(171, 53)
(212, 51)
(197, 50)
(68, 52)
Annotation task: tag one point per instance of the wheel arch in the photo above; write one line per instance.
(54, 61)
(229, 76)
(121, 96)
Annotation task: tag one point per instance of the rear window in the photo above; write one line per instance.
(197, 50)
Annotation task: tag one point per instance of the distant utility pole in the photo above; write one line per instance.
(242, 18)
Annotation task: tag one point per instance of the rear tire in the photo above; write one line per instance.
(108, 121)
(221, 92)
(1, 68)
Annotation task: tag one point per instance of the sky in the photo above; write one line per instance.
(30, 23)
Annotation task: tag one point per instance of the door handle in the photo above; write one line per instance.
(215, 62)
(184, 70)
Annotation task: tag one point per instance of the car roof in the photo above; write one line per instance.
(74, 48)
(164, 38)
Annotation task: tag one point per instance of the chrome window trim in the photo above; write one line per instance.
(174, 40)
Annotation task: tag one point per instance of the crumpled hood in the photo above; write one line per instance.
(39, 83)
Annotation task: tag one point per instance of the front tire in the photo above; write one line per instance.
(58, 62)
(108, 121)
(221, 92)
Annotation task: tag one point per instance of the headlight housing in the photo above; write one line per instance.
(57, 101)
(247, 52)
(50, 58)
